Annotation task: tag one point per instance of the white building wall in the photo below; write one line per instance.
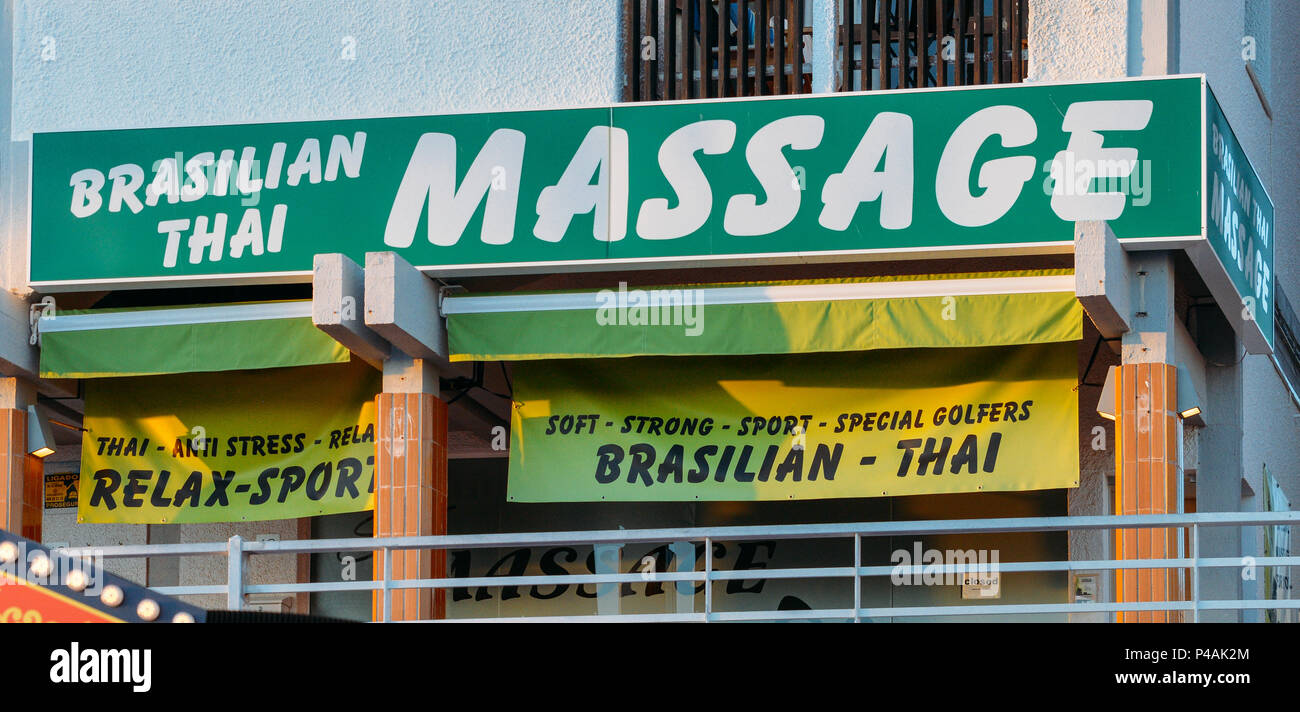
(1073, 40)
(154, 63)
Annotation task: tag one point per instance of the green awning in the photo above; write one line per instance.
(940, 311)
(143, 342)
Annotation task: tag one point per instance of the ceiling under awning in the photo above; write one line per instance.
(101, 343)
(919, 311)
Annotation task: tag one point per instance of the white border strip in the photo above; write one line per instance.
(614, 264)
(715, 296)
(175, 317)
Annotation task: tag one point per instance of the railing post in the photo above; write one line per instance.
(857, 577)
(235, 573)
(1196, 573)
(609, 560)
(683, 591)
(708, 578)
(388, 578)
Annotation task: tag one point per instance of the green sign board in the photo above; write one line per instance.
(945, 172)
(1238, 225)
(941, 172)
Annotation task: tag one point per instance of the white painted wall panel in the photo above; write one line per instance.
(150, 63)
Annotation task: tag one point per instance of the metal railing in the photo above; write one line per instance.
(237, 550)
(696, 49)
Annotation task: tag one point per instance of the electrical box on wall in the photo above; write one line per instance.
(1085, 587)
(268, 602)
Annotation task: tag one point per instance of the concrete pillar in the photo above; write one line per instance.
(411, 480)
(1148, 470)
(825, 67)
(1152, 37)
(1220, 474)
(21, 475)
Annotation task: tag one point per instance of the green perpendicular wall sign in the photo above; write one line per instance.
(943, 172)
(1239, 226)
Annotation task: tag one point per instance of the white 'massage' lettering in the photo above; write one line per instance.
(889, 136)
(1083, 120)
(657, 221)
(603, 152)
(431, 177)
(745, 215)
(1001, 178)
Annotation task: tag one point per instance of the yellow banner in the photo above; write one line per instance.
(229, 447)
(810, 426)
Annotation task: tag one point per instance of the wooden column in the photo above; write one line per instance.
(411, 483)
(22, 476)
(1146, 482)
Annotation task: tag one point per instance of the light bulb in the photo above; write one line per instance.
(112, 596)
(40, 565)
(77, 580)
(148, 610)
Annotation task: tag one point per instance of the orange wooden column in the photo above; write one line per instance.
(1146, 482)
(21, 478)
(411, 496)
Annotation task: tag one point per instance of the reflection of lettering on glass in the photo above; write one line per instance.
(647, 568)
